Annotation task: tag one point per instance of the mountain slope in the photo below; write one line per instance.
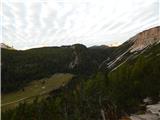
(4, 46)
(134, 70)
(133, 47)
(19, 67)
(137, 78)
(132, 76)
(146, 39)
(112, 96)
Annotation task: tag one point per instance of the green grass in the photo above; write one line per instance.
(34, 89)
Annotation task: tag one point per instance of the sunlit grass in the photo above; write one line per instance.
(34, 89)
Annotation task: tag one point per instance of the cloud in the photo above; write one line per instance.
(36, 23)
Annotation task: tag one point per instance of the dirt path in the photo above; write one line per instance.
(14, 101)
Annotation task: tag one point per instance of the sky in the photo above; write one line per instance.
(36, 23)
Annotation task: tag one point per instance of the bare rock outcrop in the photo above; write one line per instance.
(146, 38)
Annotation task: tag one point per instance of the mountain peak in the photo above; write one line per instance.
(99, 47)
(146, 38)
(4, 46)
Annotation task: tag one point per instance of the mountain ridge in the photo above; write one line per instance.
(146, 38)
(5, 46)
(115, 88)
(78, 59)
(134, 46)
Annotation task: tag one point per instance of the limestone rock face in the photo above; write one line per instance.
(146, 38)
(133, 47)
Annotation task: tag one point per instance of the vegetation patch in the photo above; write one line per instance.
(36, 88)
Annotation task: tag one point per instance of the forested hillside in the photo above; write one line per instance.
(20, 67)
(109, 82)
(136, 79)
(106, 95)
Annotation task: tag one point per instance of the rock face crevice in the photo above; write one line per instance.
(75, 62)
(146, 38)
(81, 58)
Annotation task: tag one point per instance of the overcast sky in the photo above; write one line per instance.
(40, 23)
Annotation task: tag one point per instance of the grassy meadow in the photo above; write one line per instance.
(34, 89)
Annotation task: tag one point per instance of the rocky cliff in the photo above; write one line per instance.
(146, 38)
(134, 47)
